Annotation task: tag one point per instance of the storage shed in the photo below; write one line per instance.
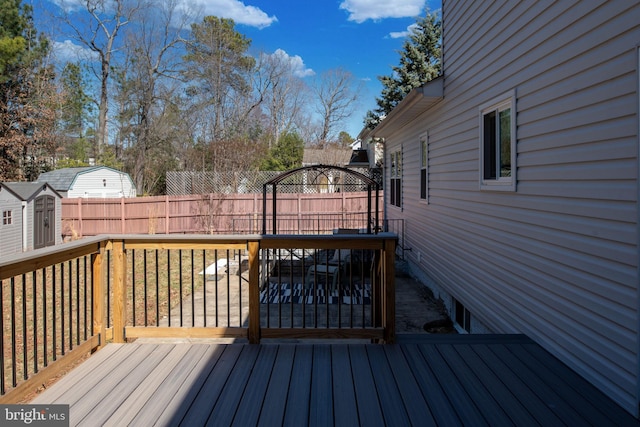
(31, 214)
(91, 181)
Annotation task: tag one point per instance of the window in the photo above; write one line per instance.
(396, 179)
(498, 144)
(424, 173)
(7, 218)
(462, 315)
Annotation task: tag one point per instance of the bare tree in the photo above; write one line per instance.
(337, 94)
(145, 86)
(283, 94)
(99, 34)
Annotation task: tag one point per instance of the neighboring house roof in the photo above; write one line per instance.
(26, 190)
(63, 179)
(326, 156)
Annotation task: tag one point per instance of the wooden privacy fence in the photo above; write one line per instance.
(212, 214)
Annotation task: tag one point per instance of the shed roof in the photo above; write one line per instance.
(326, 156)
(26, 190)
(63, 179)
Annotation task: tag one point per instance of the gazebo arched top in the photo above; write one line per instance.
(322, 169)
(326, 171)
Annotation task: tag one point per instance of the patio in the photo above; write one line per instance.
(423, 380)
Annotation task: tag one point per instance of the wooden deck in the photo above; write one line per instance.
(423, 380)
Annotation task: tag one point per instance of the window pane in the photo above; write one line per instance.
(505, 143)
(490, 154)
(393, 165)
(423, 147)
(423, 184)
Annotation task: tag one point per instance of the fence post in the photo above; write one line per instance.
(123, 218)
(98, 295)
(166, 214)
(81, 231)
(254, 293)
(119, 291)
(389, 287)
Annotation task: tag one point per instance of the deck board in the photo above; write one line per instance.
(143, 394)
(273, 406)
(433, 393)
(181, 387)
(534, 405)
(417, 408)
(344, 396)
(251, 402)
(490, 380)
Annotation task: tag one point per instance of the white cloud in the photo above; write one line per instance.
(67, 51)
(361, 10)
(233, 9)
(297, 64)
(402, 34)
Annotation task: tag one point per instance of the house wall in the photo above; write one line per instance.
(11, 235)
(558, 258)
(102, 182)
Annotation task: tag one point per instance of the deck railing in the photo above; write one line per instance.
(63, 302)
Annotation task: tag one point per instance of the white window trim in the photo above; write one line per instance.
(424, 138)
(501, 183)
(398, 157)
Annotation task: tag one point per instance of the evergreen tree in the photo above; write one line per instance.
(75, 108)
(420, 62)
(26, 95)
(286, 154)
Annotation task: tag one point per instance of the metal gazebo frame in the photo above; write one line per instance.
(322, 171)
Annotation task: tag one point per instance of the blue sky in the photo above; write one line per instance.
(361, 36)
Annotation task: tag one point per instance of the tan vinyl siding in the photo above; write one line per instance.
(11, 235)
(558, 258)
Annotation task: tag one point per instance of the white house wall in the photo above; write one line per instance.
(557, 259)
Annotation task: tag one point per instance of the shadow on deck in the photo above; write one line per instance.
(421, 380)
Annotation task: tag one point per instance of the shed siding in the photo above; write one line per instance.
(91, 184)
(11, 235)
(558, 259)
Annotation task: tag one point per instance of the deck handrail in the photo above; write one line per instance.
(60, 303)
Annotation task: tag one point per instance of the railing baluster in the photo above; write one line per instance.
(180, 284)
(215, 260)
(62, 322)
(193, 290)
(204, 287)
(169, 286)
(228, 293)
(54, 321)
(25, 374)
(34, 279)
(45, 353)
(2, 362)
(146, 310)
(133, 286)
(14, 380)
(157, 290)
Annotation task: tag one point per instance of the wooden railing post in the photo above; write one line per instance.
(254, 293)
(388, 277)
(99, 313)
(119, 291)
